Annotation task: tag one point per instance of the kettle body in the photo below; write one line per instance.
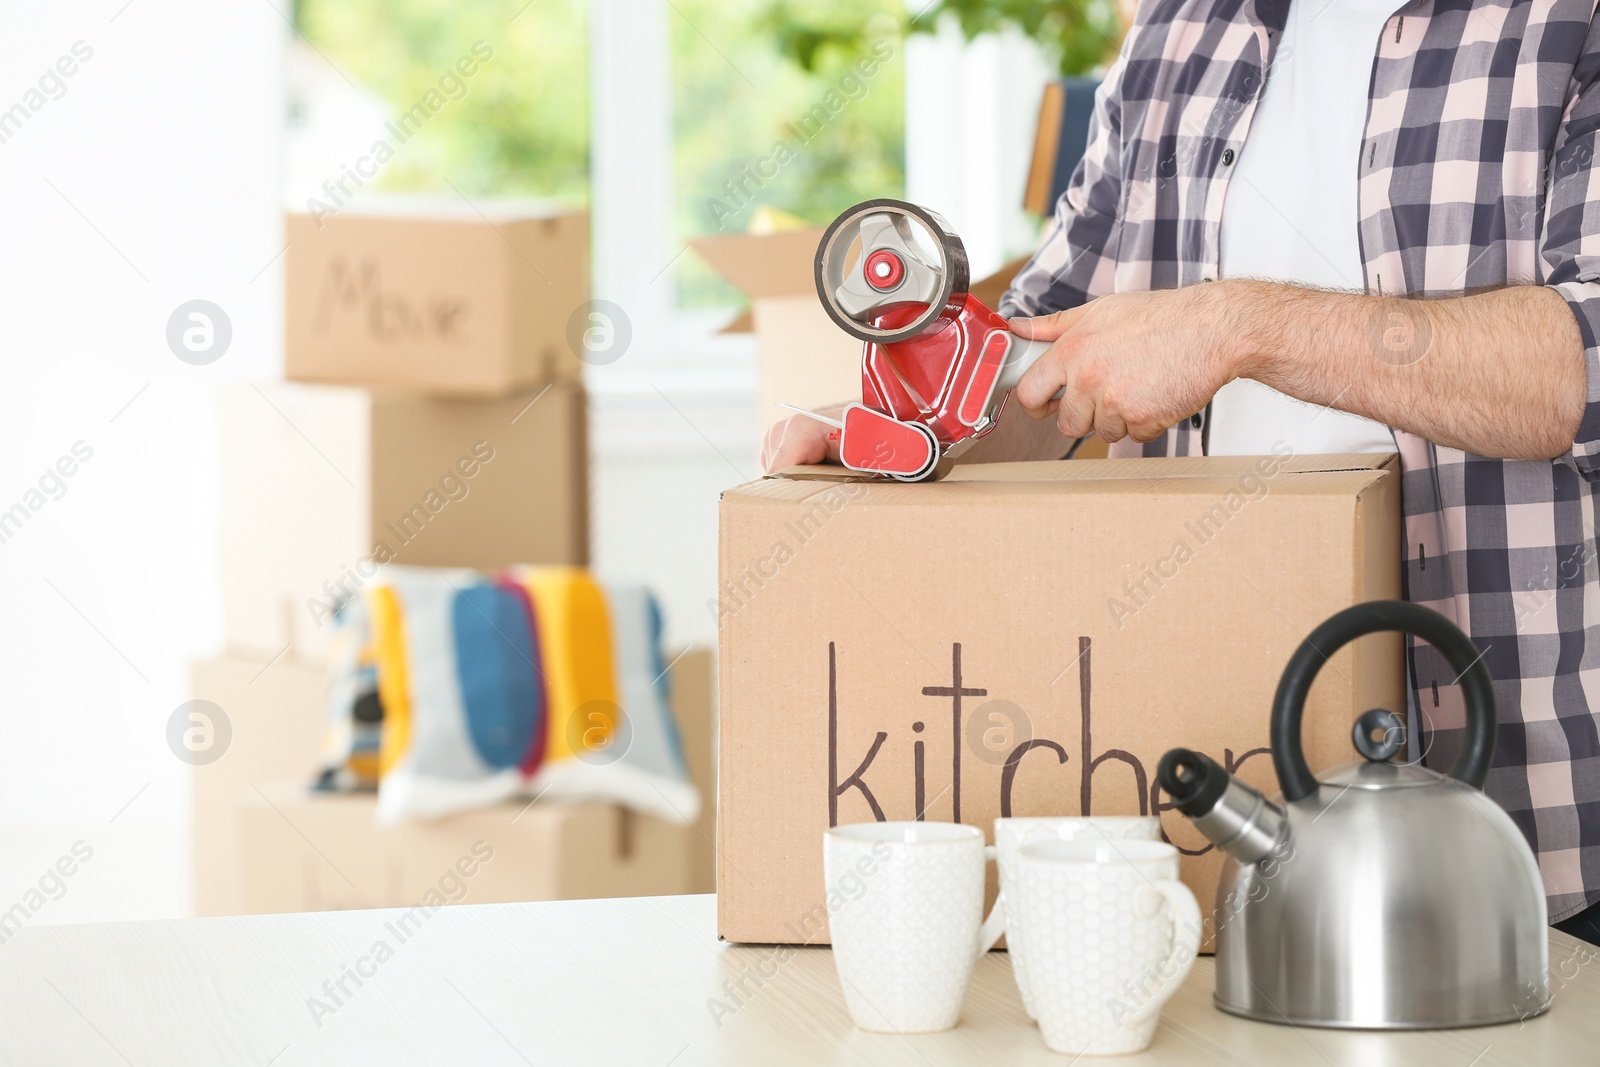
(1390, 923)
(1384, 896)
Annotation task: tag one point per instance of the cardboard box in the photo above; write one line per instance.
(276, 712)
(693, 682)
(246, 862)
(806, 360)
(463, 304)
(1025, 639)
(321, 483)
(802, 357)
(310, 852)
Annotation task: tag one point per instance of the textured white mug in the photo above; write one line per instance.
(1011, 834)
(1110, 934)
(905, 911)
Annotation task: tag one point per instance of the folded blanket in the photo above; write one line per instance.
(461, 695)
(611, 735)
(539, 681)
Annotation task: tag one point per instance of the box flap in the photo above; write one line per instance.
(1099, 469)
(774, 264)
(1146, 467)
(1302, 475)
(1342, 461)
(744, 322)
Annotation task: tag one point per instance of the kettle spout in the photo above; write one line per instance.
(1233, 816)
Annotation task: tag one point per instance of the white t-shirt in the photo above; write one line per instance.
(1291, 212)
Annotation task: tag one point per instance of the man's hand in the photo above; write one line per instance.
(1131, 364)
(1499, 374)
(800, 440)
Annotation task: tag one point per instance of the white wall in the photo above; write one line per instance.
(153, 180)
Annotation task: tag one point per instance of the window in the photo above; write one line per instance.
(518, 126)
(754, 138)
(758, 141)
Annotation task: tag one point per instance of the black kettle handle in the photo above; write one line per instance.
(1289, 758)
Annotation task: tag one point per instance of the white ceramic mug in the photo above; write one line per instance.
(1011, 834)
(1110, 935)
(905, 910)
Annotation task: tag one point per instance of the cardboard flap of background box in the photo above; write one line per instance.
(265, 844)
(434, 298)
(807, 361)
(321, 483)
(1025, 639)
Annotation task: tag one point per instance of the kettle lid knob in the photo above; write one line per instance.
(1379, 734)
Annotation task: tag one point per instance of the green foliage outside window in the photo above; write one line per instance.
(752, 131)
(521, 129)
(1078, 36)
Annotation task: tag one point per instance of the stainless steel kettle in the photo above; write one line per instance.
(1383, 895)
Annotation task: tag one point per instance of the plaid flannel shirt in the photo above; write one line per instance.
(1474, 173)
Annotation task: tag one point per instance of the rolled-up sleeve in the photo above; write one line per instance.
(1571, 240)
(1074, 262)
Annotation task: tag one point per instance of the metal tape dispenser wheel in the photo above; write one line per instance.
(906, 256)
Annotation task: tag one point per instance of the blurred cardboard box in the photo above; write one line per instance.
(250, 803)
(692, 679)
(323, 483)
(275, 712)
(322, 852)
(465, 304)
(1026, 639)
(804, 359)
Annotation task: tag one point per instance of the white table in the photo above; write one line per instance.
(603, 981)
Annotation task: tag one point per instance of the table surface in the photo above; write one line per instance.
(640, 981)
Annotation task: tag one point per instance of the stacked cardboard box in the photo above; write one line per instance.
(264, 843)
(323, 483)
(276, 713)
(446, 301)
(434, 415)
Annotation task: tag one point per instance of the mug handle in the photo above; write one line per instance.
(995, 924)
(1185, 947)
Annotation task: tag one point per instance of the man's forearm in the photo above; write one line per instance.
(1498, 374)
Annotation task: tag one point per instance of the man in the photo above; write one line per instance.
(1270, 188)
